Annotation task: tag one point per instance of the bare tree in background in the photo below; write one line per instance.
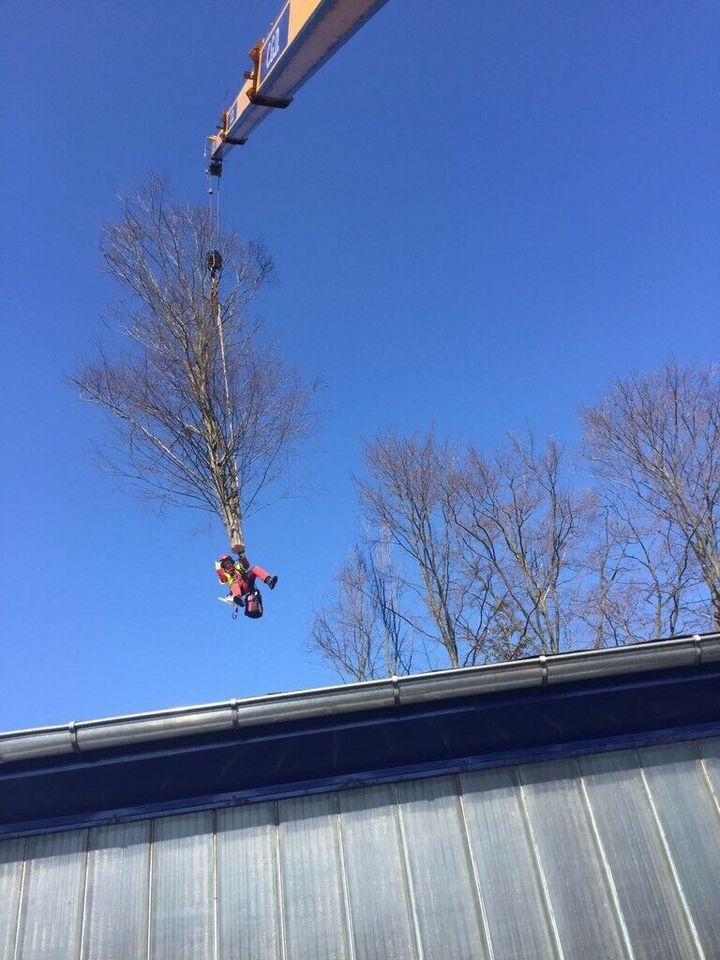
(363, 634)
(205, 415)
(522, 529)
(640, 577)
(507, 555)
(411, 593)
(406, 499)
(654, 441)
(487, 548)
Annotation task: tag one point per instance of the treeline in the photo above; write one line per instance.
(471, 558)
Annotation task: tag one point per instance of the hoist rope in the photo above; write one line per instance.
(214, 195)
(228, 479)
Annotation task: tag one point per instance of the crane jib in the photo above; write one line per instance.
(274, 46)
(302, 37)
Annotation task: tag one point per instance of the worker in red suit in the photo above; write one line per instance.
(240, 577)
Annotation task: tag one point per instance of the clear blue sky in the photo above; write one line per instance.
(480, 213)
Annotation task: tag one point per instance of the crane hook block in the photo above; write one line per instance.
(213, 259)
(215, 168)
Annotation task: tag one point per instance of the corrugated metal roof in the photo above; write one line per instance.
(612, 856)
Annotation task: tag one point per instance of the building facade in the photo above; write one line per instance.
(563, 808)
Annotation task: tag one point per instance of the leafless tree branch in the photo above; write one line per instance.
(190, 429)
(654, 443)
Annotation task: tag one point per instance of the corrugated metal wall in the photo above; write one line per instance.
(611, 856)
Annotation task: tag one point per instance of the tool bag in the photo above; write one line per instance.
(253, 605)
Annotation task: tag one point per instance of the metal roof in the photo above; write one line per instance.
(75, 737)
(318, 741)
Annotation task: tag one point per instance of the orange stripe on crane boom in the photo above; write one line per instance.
(303, 36)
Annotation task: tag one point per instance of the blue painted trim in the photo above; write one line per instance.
(518, 699)
(363, 779)
(268, 761)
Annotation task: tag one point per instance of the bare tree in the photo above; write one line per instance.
(639, 577)
(522, 527)
(363, 633)
(487, 548)
(205, 414)
(506, 555)
(654, 442)
(406, 498)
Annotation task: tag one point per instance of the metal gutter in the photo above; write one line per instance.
(76, 737)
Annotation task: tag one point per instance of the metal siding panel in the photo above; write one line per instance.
(116, 901)
(182, 904)
(710, 754)
(52, 902)
(510, 887)
(652, 909)
(312, 889)
(248, 910)
(579, 894)
(11, 869)
(689, 819)
(443, 884)
(376, 878)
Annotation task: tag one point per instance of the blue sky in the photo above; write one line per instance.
(480, 213)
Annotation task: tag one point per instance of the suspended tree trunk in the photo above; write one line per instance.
(205, 414)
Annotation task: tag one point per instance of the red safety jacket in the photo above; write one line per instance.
(242, 580)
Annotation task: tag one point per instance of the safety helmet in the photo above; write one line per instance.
(226, 561)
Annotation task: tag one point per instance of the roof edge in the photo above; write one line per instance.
(81, 736)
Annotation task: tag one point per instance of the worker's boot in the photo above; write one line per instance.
(271, 581)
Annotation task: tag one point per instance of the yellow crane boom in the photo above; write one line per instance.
(302, 37)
